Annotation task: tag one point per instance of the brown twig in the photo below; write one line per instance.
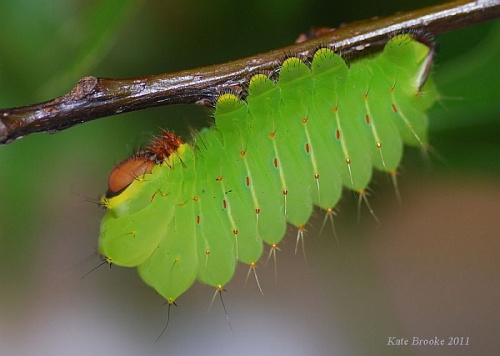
(94, 98)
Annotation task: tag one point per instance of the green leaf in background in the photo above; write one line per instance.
(466, 126)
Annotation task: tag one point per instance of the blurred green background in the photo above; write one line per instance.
(429, 269)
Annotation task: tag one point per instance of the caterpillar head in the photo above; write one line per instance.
(141, 163)
(127, 171)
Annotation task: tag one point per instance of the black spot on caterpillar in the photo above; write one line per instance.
(289, 145)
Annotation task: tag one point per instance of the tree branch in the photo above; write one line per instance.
(93, 98)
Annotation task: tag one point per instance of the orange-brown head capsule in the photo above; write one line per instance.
(127, 171)
(157, 151)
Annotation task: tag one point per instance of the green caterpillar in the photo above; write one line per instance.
(183, 212)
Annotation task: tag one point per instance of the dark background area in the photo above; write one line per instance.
(430, 268)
